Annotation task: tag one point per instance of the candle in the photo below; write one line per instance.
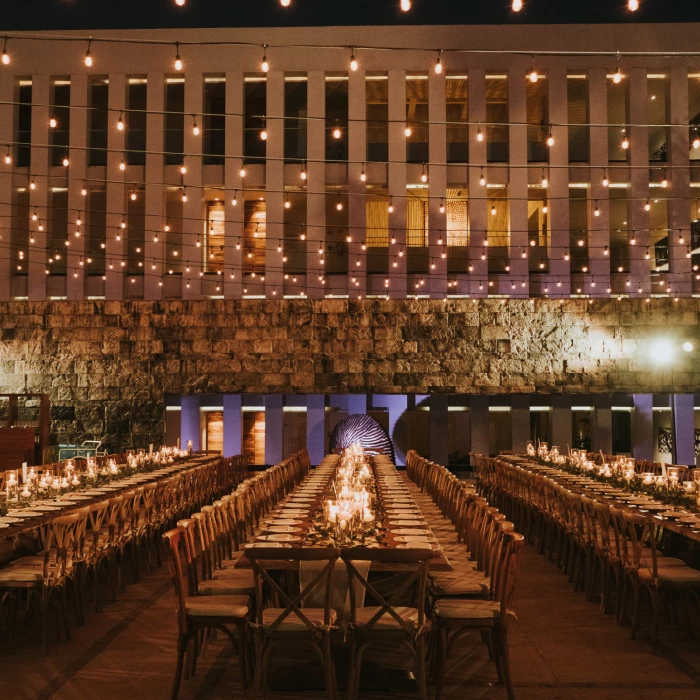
(648, 479)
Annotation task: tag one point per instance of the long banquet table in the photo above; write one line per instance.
(672, 518)
(24, 519)
(297, 519)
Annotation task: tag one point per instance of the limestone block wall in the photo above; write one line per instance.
(108, 364)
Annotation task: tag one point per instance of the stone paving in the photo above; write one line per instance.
(561, 647)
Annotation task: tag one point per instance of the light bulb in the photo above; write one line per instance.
(122, 165)
(242, 172)
(285, 3)
(8, 158)
(353, 62)
(336, 133)
(664, 182)
(391, 206)
(550, 139)
(606, 182)
(180, 2)
(133, 196)
(84, 191)
(195, 128)
(696, 142)
(482, 180)
(633, 5)
(303, 173)
(545, 209)
(545, 182)
(438, 63)
(617, 76)
(88, 55)
(493, 210)
(120, 123)
(405, 5)
(264, 66)
(287, 204)
(53, 123)
(647, 205)
(407, 131)
(263, 135)
(363, 176)
(183, 169)
(178, 63)
(65, 161)
(339, 206)
(517, 5)
(479, 135)
(596, 212)
(533, 75)
(5, 55)
(625, 143)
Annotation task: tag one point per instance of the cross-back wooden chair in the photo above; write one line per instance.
(391, 619)
(309, 625)
(195, 613)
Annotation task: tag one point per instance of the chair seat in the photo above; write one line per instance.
(224, 586)
(458, 609)
(467, 584)
(218, 606)
(674, 575)
(293, 623)
(19, 574)
(386, 621)
(37, 562)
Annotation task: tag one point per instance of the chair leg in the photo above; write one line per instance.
(328, 663)
(655, 595)
(181, 648)
(257, 678)
(420, 668)
(439, 675)
(505, 662)
(635, 611)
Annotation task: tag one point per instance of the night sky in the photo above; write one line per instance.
(147, 14)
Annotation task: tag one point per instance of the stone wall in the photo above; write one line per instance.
(107, 365)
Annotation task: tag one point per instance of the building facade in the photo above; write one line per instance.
(181, 215)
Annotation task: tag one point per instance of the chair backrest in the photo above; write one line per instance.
(504, 589)
(294, 603)
(174, 540)
(415, 584)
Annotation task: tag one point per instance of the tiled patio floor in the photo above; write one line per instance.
(561, 647)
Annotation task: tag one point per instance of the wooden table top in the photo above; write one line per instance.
(439, 562)
(11, 529)
(576, 483)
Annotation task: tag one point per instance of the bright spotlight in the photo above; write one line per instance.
(662, 351)
(688, 346)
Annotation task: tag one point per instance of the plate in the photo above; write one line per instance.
(403, 531)
(276, 545)
(408, 523)
(9, 521)
(285, 521)
(413, 540)
(47, 509)
(281, 528)
(24, 513)
(279, 538)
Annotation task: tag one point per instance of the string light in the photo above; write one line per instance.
(363, 176)
(391, 205)
(442, 206)
(625, 143)
(479, 135)
(353, 60)
(53, 123)
(606, 182)
(424, 175)
(65, 160)
(241, 172)
(287, 203)
(596, 212)
(195, 128)
(407, 131)
(532, 75)
(647, 205)
(633, 5)
(234, 201)
(303, 172)
(517, 5)
(550, 138)
(482, 178)
(178, 60)
(617, 76)
(5, 55)
(544, 179)
(405, 5)
(120, 123)
(264, 66)
(88, 55)
(285, 3)
(8, 157)
(438, 63)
